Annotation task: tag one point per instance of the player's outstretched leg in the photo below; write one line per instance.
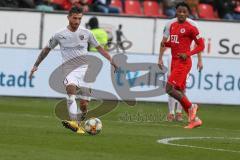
(192, 112)
(190, 109)
(193, 120)
(73, 124)
(178, 95)
(83, 107)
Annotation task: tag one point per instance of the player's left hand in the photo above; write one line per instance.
(183, 56)
(34, 69)
(115, 67)
(199, 66)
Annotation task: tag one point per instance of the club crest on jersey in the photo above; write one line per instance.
(81, 37)
(182, 30)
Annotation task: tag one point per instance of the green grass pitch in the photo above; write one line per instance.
(29, 130)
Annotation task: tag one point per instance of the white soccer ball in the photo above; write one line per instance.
(93, 126)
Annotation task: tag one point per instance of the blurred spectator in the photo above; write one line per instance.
(169, 7)
(100, 34)
(193, 4)
(225, 9)
(26, 4)
(84, 4)
(44, 5)
(17, 3)
(211, 2)
(236, 12)
(123, 5)
(9, 3)
(104, 6)
(67, 4)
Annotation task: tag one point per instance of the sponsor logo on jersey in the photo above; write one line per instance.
(76, 47)
(62, 37)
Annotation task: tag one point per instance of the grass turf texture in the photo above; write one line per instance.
(30, 130)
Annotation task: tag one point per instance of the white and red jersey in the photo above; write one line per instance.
(180, 37)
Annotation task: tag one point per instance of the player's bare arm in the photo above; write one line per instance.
(40, 58)
(107, 56)
(161, 52)
(199, 64)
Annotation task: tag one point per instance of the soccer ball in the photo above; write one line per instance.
(93, 126)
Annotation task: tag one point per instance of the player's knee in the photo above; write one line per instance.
(84, 103)
(169, 88)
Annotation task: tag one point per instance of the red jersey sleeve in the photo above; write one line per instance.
(198, 40)
(194, 32)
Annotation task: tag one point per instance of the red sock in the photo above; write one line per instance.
(185, 103)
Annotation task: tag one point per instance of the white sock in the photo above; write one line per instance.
(171, 105)
(192, 106)
(73, 109)
(179, 107)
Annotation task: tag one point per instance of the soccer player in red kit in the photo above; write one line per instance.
(178, 35)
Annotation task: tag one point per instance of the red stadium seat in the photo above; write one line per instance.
(117, 3)
(151, 8)
(133, 7)
(237, 9)
(206, 11)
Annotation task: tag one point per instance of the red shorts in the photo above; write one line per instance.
(178, 75)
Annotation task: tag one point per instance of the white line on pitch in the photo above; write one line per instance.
(168, 141)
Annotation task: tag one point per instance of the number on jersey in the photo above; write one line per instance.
(174, 39)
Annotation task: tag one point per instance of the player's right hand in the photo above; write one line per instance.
(182, 56)
(160, 64)
(34, 69)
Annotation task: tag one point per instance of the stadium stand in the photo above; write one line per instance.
(206, 11)
(152, 8)
(117, 4)
(201, 9)
(133, 7)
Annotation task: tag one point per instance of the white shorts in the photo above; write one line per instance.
(76, 77)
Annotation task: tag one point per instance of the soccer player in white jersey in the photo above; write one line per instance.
(73, 41)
